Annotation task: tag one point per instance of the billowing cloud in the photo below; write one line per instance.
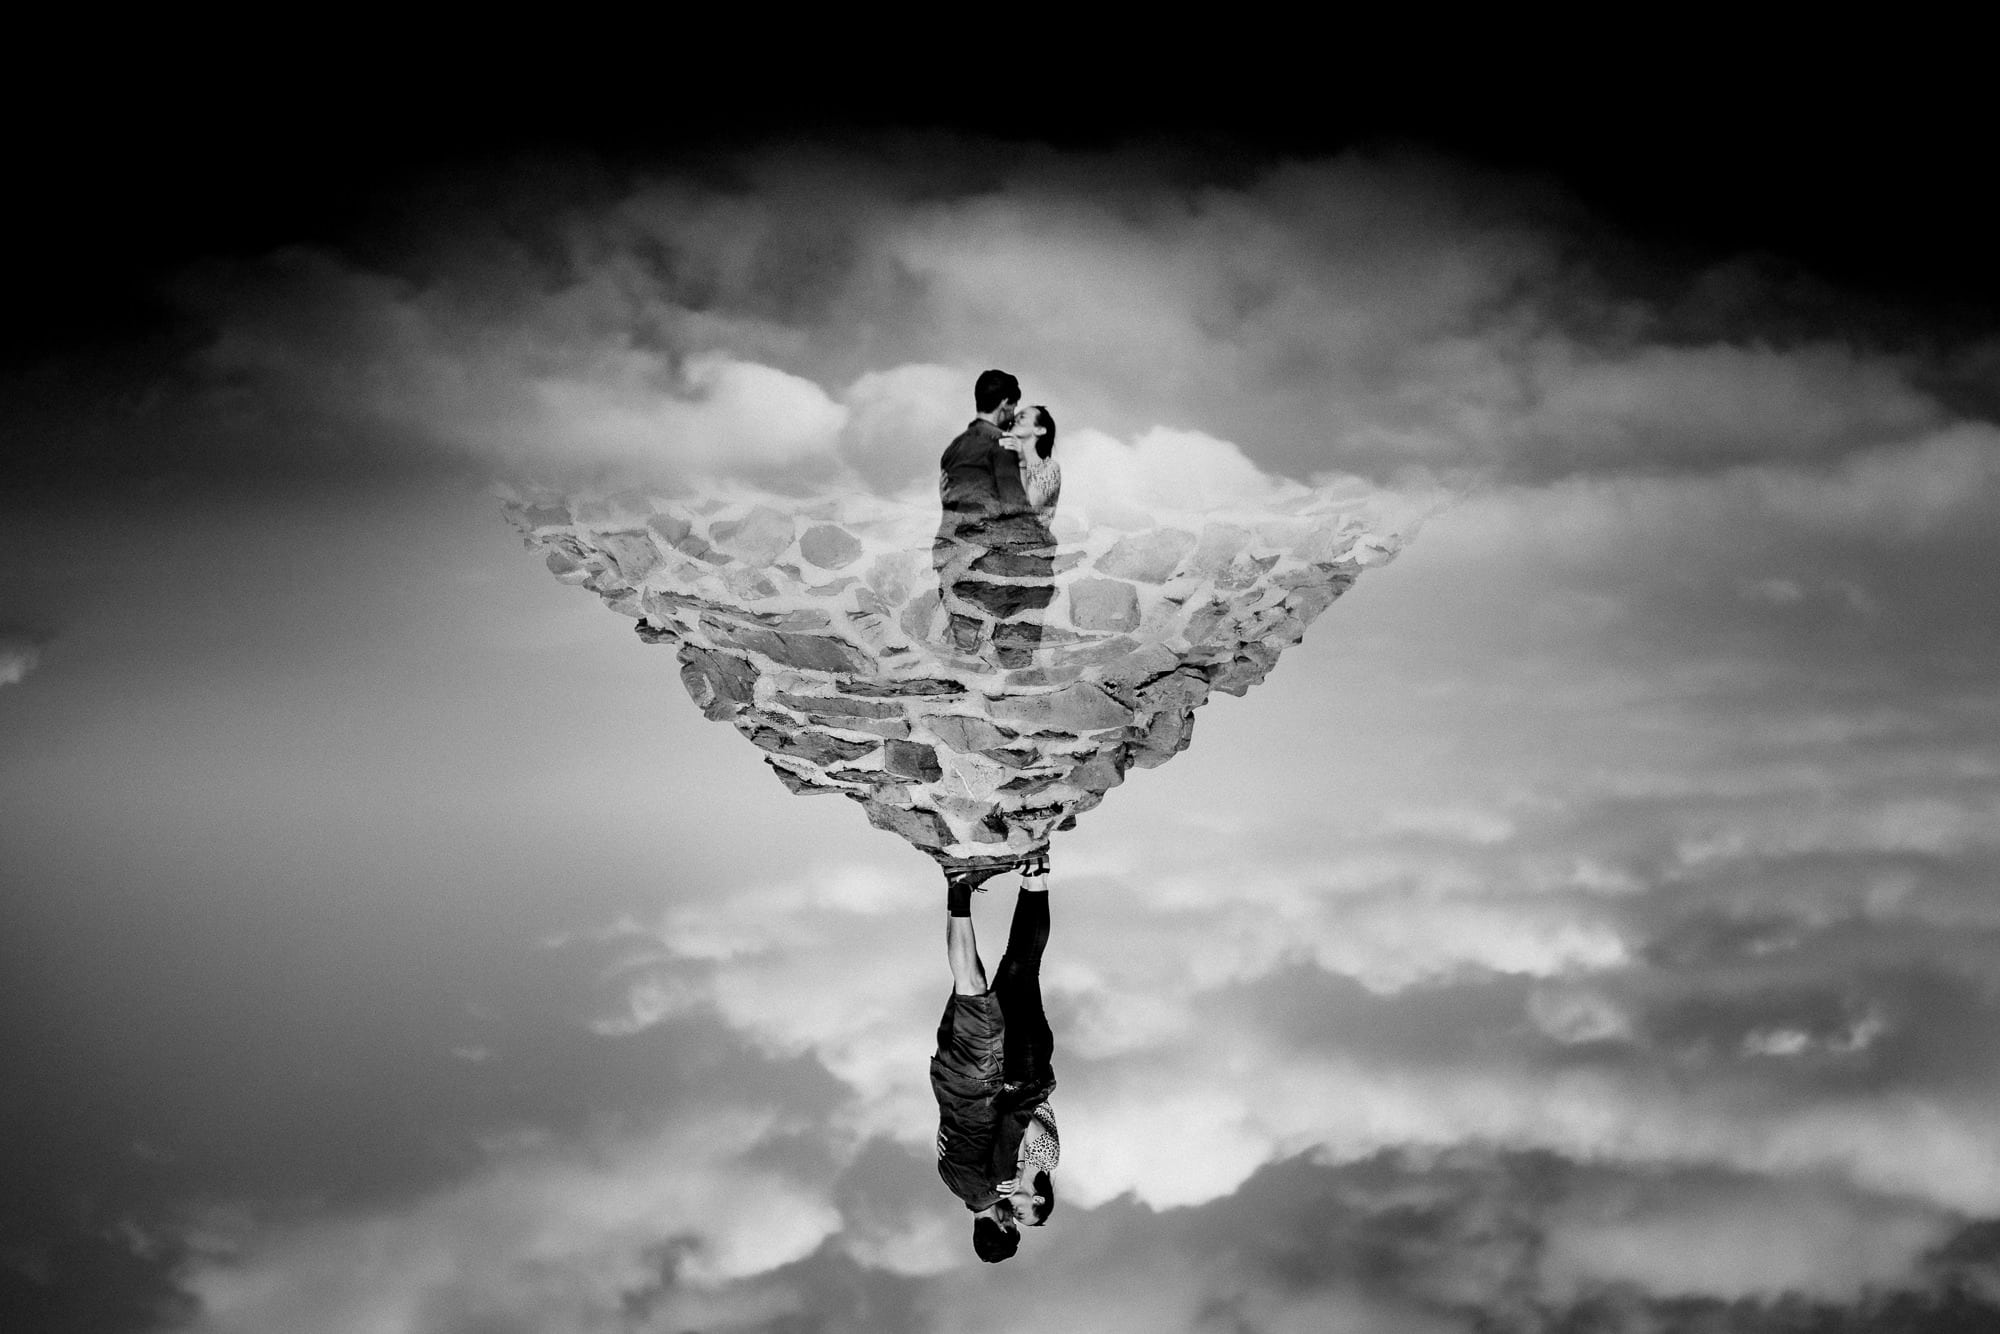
(1359, 315)
(555, 1237)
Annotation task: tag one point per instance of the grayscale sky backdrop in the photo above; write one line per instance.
(1591, 926)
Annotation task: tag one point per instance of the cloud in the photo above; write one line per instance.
(548, 1236)
(1735, 1238)
(735, 414)
(1898, 491)
(1353, 314)
(1356, 1069)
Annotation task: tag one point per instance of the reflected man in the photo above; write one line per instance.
(997, 1142)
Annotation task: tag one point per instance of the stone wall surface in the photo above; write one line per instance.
(972, 698)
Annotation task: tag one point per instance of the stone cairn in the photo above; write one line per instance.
(972, 709)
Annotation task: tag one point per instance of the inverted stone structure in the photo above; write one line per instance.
(972, 700)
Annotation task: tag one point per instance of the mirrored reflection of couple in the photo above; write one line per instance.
(992, 1073)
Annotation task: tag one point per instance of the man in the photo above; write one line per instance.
(979, 477)
(997, 1143)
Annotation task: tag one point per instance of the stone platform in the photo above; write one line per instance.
(974, 696)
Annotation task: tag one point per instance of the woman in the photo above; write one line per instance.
(1033, 438)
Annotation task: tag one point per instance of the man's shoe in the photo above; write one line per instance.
(959, 888)
(976, 876)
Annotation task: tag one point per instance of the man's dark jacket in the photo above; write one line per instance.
(980, 1118)
(980, 477)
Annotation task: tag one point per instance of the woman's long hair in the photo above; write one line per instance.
(1045, 443)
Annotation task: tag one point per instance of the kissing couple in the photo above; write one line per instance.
(1003, 463)
(992, 1073)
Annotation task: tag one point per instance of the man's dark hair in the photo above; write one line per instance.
(993, 1243)
(994, 388)
(1045, 1186)
(1045, 443)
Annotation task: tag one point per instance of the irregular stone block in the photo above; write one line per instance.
(799, 783)
(748, 583)
(1169, 705)
(605, 581)
(1015, 642)
(1018, 565)
(1077, 707)
(729, 676)
(924, 828)
(1144, 665)
(896, 729)
(666, 602)
(567, 566)
(829, 547)
(816, 653)
(671, 529)
(758, 538)
(695, 545)
(923, 685)
(1147, 557)
(1003, 600)
(1205, 621)
(1168, 735)
(967, 734)
(1249, 667)
(882, 786)
(1103, 604)
(1029, 678)
(920, 618)
(634, 553)
(1218, 546)
(1028, 785)
(704, 694)
(841, 706)
(1308, 603)
(1090, 654)
(1100, 772)
(890, 576)
(816, 747)
(912, 759)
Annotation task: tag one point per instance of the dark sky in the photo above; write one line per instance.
(1854, 156)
